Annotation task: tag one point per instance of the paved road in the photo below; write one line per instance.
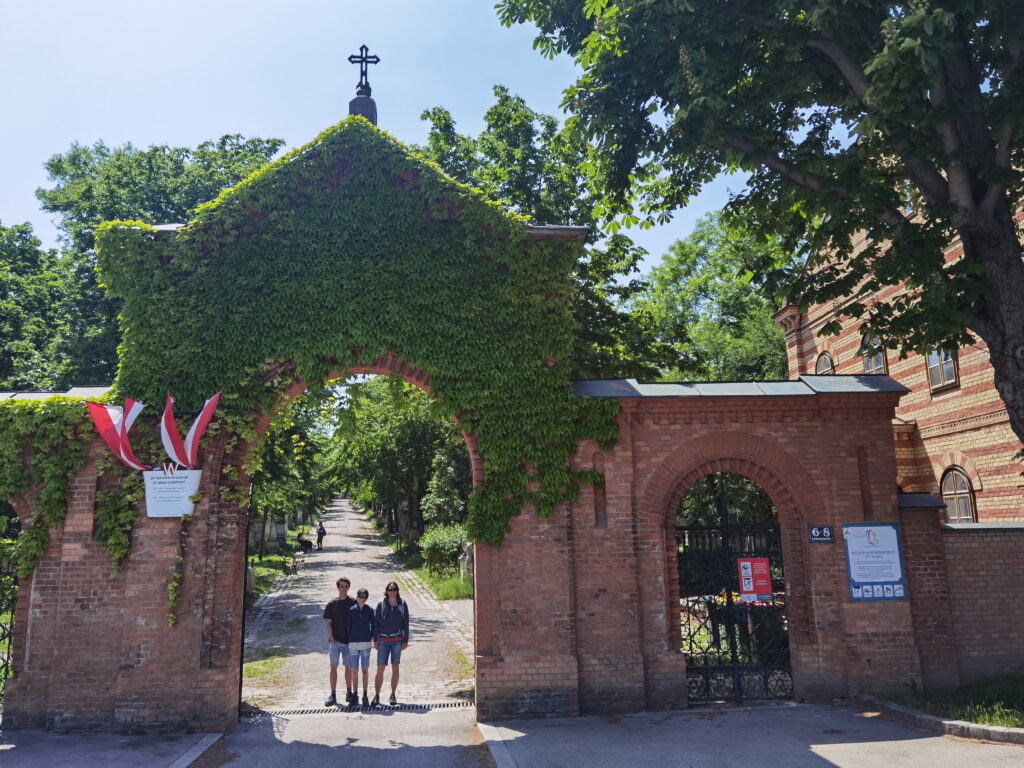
(437, 727)
(786, 735)
(288, 623)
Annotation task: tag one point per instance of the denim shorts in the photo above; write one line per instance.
(339, 649)
(355, 657)
(386, 648)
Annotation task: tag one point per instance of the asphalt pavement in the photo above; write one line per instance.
(434, 727)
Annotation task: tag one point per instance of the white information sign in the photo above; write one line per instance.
(874, 561)
(167, 494)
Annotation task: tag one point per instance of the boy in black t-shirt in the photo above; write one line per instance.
(336, 619)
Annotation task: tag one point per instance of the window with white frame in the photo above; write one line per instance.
(941, 369)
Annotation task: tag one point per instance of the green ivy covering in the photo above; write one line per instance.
(42, 444)
(344, 250)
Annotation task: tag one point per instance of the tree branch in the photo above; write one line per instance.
(806, 179)
(1004, 139)
(933, 186)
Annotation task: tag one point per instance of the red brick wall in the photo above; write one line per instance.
(576, 613)
(92, 647)
(985, 569)
(925, 561)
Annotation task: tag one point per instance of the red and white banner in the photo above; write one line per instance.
(113, 423)
(185, 454)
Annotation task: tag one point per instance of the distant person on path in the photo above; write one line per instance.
(360, 639)
(306, 544)
(390, 638)
(336, 618)
(320, 533)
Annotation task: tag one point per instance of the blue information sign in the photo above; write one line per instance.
(874, 561)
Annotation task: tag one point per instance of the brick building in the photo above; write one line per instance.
(952, 432)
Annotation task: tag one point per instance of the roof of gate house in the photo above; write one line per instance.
(85, 392)
(805, 385)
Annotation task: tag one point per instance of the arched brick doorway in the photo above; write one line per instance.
(731, 576)
(790, 488)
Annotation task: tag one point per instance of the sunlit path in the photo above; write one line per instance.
(287, 624)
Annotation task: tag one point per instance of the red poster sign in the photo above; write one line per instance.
(755, 579)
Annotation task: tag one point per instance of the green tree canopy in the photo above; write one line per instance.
(528, 162)
(392, 446)
(30, 290)
(705, 297)
(899, 120)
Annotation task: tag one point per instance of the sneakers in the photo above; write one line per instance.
(393, 700)
(376, 701)
(366, 701)
(332, 700)
(351, 699)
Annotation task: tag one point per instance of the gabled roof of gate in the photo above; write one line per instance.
(241, 207)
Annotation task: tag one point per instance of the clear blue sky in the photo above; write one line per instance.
(160, 72)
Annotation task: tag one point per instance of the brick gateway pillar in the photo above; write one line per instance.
(577, 613)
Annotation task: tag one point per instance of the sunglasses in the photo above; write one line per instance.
(392, 589)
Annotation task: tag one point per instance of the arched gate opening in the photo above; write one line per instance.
(732, 591)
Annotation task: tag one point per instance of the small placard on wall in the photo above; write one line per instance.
(167, 494)
(821, 534)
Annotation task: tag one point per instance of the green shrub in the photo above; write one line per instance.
(441, 546)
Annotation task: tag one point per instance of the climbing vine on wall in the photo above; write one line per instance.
(42, 444)
(342, 251)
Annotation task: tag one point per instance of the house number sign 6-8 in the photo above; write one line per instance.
(820, 534)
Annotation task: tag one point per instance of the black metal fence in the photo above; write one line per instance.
(8, 596)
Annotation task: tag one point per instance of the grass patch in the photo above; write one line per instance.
(999, 701)
(262, 668)
(271, 565)
(446, 586)
(465, 666)
(263, 662)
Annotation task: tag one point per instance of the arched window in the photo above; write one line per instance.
(874, 355)
(958, 495)
(824, 366)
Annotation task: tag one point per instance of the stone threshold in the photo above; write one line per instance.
(941, 726)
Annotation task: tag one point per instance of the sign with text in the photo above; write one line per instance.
(167, 493)
(821, 534)
(874, 561)
(755, 579)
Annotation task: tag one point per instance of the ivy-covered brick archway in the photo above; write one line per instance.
(350, 254)
(344, 251)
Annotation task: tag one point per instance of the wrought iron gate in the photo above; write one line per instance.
(8, 592)
(734, 650)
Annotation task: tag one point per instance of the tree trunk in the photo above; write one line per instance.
(993, 243)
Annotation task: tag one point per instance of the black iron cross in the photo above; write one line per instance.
(363, 89)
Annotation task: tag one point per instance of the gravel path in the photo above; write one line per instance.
(287, 623)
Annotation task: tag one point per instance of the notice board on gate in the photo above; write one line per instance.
(755, 579)
(874, 561)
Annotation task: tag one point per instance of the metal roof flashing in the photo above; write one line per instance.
(805, 385)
